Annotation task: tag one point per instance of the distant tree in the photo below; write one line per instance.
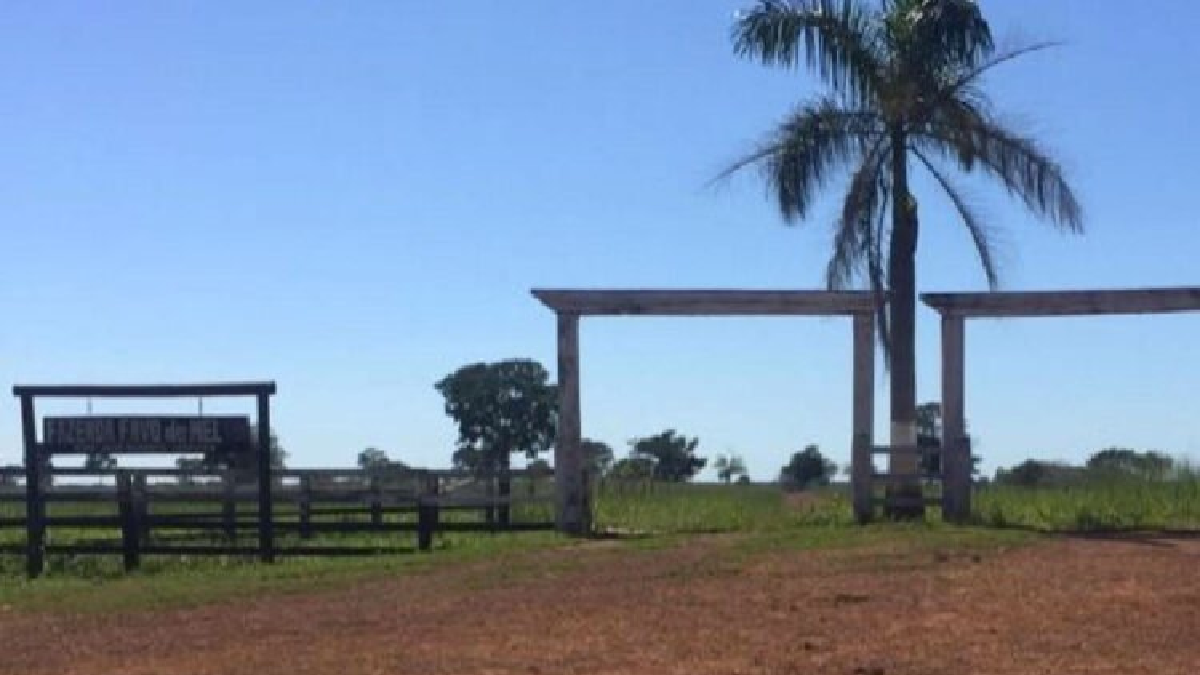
(632, 469)
(730, 468)
(540, 467)
(9, 479)
(244, 462)
(373, 460)
(929, 438)
(597, 457)
(278, 454)
(99, 461)
(673, 455)
(1026, 474)
(1037, 473)
(929, 421)
(807, 468)
(500, 408)
(1124, 462)
(743, 479)
(190, 465)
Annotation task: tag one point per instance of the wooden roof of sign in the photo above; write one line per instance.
(146, 390)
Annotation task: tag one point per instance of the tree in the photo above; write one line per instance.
(500, 408)
(373, 460)
(99, 461)
(904, 82)
(929, 437)
(540, 468)
(730, 468)
(929, 422)
(244, 463)
(673, 456)
(632, 469)
(1036, 473)
(190, 465)
(807, 468)
(247, 463)
(597, 457)
(1123, 462)
(9, 474)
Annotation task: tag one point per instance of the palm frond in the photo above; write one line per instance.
(960, 85)
(859, 234)
(979, 231)
(854, 245)
(972, 138)
(805, 149)
(839, 41)
(876, 278)
(936, 34)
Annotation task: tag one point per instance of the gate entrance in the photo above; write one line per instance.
(955, 308)
(573, 513)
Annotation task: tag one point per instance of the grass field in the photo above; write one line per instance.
(644, 516)
(1094, 506)
(1112, 505)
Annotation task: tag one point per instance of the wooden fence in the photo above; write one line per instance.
(218, 508)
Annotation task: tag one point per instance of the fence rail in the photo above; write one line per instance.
(393, 501)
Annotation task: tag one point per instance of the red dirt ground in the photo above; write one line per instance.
(1064, 606)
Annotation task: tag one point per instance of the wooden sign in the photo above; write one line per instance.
(138, 434)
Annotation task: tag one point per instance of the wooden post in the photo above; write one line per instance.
(956, 469)
(489, 493)
(305, 506)
(130, 528)
(964, 479)
(376, 503)
(266, 521)
(427, 513)
(141, 506)
(35, 505)
(864, 416)
(572, 516)
(504, 489)
(229, 504)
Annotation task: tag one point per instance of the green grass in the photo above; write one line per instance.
(1094, 506)
(695, 509)
(646, 518)
(172, 583)
(81, 570)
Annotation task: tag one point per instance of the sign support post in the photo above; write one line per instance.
(132, 434)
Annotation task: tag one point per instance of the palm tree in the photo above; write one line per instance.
(904, 88)
(730, 467)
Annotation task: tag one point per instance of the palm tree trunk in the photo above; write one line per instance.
(902, 283)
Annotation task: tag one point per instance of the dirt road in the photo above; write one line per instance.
(1062, 606)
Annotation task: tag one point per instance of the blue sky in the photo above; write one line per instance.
(354, 199)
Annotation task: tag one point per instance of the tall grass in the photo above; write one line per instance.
(682, 509)
(1098, 504)
(673, 508)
